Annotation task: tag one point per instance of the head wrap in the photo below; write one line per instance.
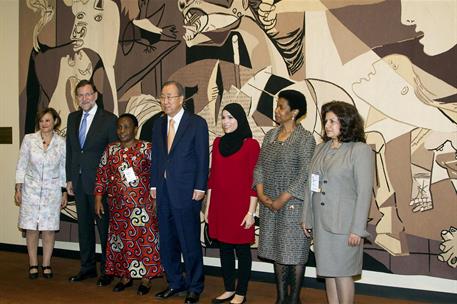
(232, 142)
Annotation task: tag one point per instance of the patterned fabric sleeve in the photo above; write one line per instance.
(258, 172)
(148, 150)
(307, 144)
(23, 161)
(62, 173)
(103, 174)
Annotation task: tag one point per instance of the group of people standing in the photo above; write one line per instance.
(133, 189)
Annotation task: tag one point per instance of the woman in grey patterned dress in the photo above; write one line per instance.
(280, 177)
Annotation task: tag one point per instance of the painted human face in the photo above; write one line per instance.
(126, 130)
(92, 19)
(86, 97)
(229, 123)
(283, 112)
(391, 88)
(332, 126)
(437, 20)
(46, 123)
(170, 100)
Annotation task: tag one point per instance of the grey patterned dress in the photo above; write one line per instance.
(283, 167)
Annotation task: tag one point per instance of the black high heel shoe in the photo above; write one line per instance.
(143, 289)
(46, 275)
(33, 275)
(121, 286)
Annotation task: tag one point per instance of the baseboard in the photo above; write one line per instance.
(365, 289)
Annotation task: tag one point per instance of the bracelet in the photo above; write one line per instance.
(251, 214)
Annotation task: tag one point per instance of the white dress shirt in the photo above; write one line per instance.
(177, 119)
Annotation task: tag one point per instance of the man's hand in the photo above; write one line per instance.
(70, 188)
(198, 195)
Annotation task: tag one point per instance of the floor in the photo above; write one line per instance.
(15, 287)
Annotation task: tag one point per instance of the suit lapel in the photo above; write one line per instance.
(163, 126)
(181, 129)
(79, 114)
(37, 141)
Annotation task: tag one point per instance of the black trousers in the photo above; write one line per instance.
(85, 208)
(243, 254)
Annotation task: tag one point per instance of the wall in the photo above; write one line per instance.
(9, 113)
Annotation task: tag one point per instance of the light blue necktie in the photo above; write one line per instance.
(82, 130)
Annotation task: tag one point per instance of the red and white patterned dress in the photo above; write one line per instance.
(133, 238)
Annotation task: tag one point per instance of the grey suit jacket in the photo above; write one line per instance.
(346, 182)
(85, 160)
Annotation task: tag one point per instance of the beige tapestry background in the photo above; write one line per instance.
(395, 60)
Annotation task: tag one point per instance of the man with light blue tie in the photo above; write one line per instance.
(89, 130)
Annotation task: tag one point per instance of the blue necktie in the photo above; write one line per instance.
(82, 130)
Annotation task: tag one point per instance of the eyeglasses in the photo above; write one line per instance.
(81, 96)
(168, 98)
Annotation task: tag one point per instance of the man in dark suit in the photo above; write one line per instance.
(179, 173)
(89, 130)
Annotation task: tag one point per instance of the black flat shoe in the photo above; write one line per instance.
(169, 292)
(46, 275)
(143, 289)
(105, 280)
(121, 286)
(218, 301)
(192, 298)
(33, 275)
(81, 276)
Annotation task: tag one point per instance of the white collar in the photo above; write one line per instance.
(177, 117)
(92, 111)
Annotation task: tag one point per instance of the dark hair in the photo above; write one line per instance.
(132, 118)
(83, 83)
(55, 116)
(178, 86)
(351, 129)
(296, 101)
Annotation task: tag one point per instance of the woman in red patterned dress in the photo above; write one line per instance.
(133, 238)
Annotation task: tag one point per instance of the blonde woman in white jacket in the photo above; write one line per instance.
(40, 178)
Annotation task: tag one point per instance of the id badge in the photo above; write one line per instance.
(315, 183)
(129, 175)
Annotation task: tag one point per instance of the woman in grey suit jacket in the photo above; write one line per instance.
(339, 195)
